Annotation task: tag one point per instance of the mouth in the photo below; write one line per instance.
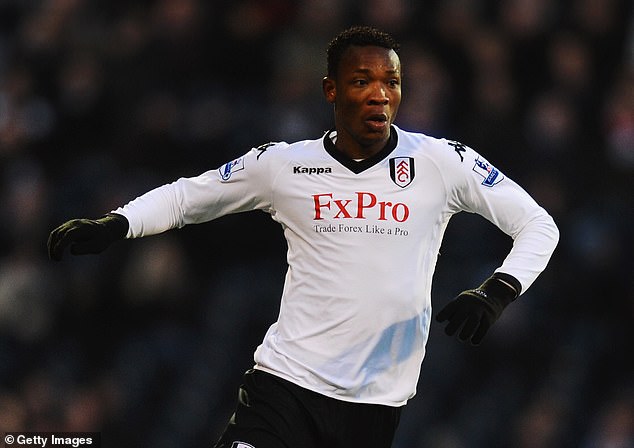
(377, 122)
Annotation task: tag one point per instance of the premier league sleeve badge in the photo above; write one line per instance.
(491, 175)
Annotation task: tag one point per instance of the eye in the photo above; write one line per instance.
(360, 82)
(393, 82)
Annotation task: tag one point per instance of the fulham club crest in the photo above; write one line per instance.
(402, 170)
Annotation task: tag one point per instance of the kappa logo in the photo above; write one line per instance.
(229, 168)
(458, 147)
(241, 445)
(311, 170)
(402, 170)
(262, 149)
(490, 174)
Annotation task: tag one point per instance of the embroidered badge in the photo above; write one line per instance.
(402, 170)
(490, 174)
(241, 445)
(229, 168)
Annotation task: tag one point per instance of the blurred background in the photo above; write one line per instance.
(101, 101)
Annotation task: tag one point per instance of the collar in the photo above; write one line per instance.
(359, 166)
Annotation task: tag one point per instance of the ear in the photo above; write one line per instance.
(330, 89)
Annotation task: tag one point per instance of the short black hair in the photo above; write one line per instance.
(357, 35)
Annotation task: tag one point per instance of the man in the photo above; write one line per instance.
(363, 210)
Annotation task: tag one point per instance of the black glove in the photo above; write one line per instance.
(87, 236)
(475, 310)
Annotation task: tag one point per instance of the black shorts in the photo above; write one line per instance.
(274, 413)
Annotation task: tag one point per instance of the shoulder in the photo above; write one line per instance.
(250, 162)
(270, 157)
(456, 161)
(282, 150)
(443, 151)
(267, 149)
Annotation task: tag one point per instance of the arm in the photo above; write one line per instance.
(534, 232)
(237, 186)
(481, 188)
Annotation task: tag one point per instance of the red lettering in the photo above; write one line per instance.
(341, 205)
(319, 205)
(404, 214)
(365, 201)
(361, 205)
(382, 206)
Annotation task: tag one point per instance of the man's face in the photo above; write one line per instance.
(366, 93)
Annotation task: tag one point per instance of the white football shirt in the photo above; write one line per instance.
(363, 240)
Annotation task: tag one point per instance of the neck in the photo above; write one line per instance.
(357, 150)
(357, 166)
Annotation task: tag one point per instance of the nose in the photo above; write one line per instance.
(378, 95)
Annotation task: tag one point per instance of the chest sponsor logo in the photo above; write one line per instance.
(402, 170)
(241, 445)
(229, 168)
(311, 170)
(362, 205)
(487, 171)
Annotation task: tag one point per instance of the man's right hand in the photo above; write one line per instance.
(87, 236)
